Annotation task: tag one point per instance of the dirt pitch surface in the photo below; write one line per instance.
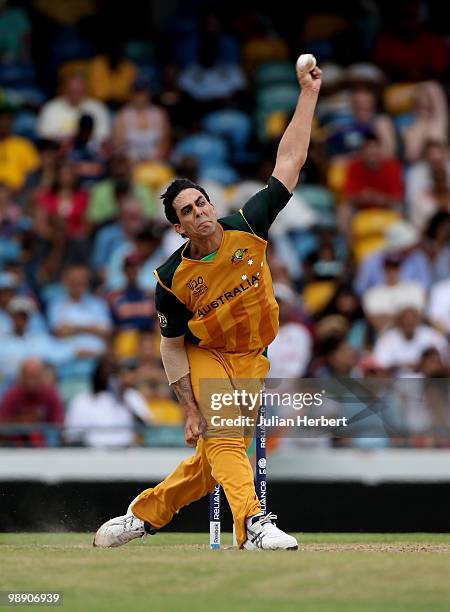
(176, 571)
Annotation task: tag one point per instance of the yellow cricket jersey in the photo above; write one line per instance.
(225, 303)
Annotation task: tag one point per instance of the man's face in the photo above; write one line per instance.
(343, 359)
(363, 101)
(120, 168)
(131, 271)
(131, 216)
(197, 217)
(20, 322)
(6, 295)
(371, 153)
(436, 155)
(432, 365)
(77, 282)
(32, 376)
(75, 90)
(408, 320)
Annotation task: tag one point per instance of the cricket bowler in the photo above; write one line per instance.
(218, 314)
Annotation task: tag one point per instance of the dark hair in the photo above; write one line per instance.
(122, 187)
(435, 222)
(369, 137)
(86, 122)
(431, 350)
(176, 187)
(46, 144)
(100, 376)
(6, 110)
(55, 186)
(329, 344)
(152, 230)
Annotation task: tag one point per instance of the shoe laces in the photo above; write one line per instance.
(129, 526)
(268, 518)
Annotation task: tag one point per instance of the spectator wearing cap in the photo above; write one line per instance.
(58, 119)
(31, 401)
(379, 304)
(142, 129)
(104, 201)
(400, 348)
(22, 342)
(401, 243)
(290, 352)
(18, 155)
(147, 243)
(132, 308)
(10, 288)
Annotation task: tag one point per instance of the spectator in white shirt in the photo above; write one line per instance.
(418, 178)
(439, 306)
(432, 199)
(400, 348)
(106, 416)
(59, 118)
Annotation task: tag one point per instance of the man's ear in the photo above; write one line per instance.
(179, 230)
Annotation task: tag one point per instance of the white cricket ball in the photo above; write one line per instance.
(305, 63)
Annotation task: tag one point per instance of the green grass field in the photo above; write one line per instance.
(331, 572)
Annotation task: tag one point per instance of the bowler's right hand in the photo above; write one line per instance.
(194, 427)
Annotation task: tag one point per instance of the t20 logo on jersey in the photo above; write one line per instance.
(197, 286)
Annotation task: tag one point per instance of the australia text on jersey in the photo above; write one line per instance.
(229, 295)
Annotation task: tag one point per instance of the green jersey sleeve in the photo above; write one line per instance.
(172, 314)
(262, 208)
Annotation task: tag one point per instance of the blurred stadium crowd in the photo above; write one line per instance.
(96, 118)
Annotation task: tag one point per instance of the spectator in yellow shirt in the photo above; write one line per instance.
(18, 156)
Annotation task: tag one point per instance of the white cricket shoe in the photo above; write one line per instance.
(121, 530)
(262, 533)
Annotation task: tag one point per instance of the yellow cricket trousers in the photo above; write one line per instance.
(221, 456)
